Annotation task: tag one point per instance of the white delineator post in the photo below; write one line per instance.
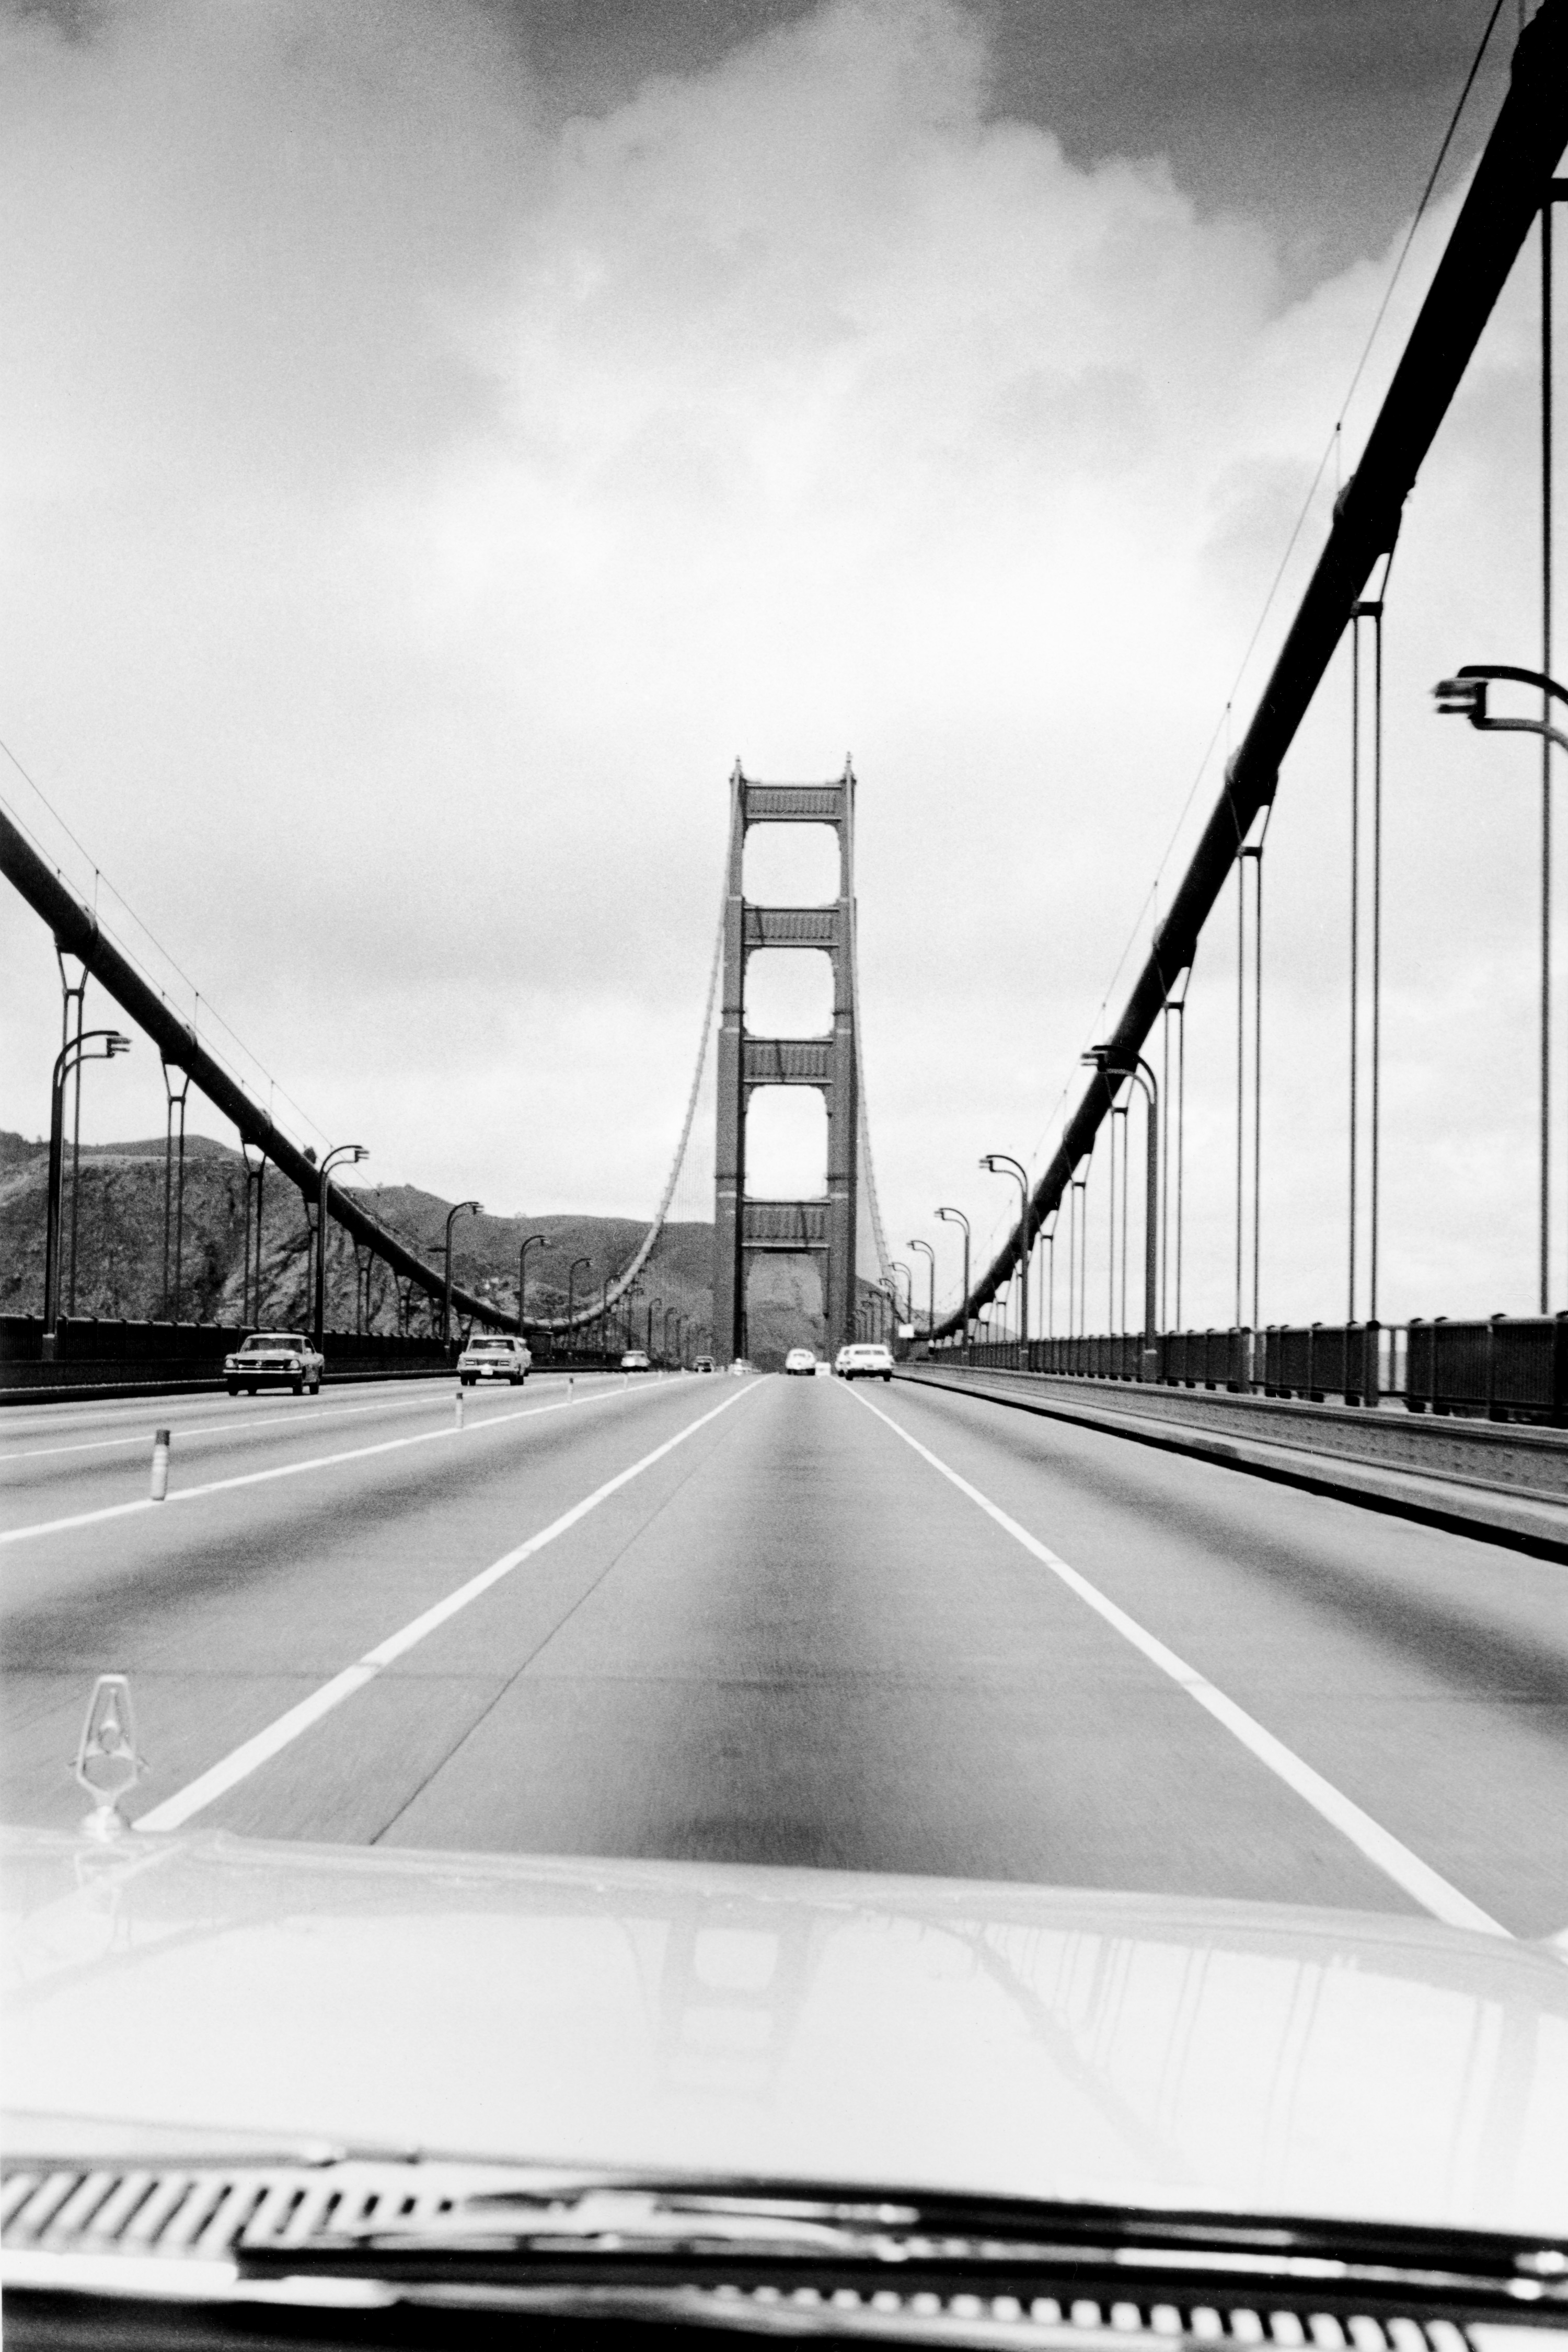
(457, 1409)
(159, 1464)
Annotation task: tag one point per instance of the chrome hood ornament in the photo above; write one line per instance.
(108, 1764)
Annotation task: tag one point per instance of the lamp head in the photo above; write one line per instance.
(116, 1044)
(1461, 698)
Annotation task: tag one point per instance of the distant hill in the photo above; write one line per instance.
(119, 1245)
(120, 1227)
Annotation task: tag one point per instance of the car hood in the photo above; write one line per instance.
(686, 2018)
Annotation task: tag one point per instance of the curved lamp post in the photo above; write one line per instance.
(571, 1289)
(1113, 1065)
(452, 1214)
(533, 1241)
(351, 1153)
(900, 1267)
(109, 1041)
(1000, 1163)
(1464, 696)
(930, 1288)
(957, 1217)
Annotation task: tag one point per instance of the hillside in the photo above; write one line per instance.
(120, 1244)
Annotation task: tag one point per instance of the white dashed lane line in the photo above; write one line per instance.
(433, 1399)
(245, 1760)
(448, 1434)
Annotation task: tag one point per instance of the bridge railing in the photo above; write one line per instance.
(1507, 1367)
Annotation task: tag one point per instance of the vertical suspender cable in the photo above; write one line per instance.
(1110, 1232)
(1121, 1322)
(1256, 1073)
(1374, 1203)
(1240, 1066)
(1356, 949)
(1546, 487)
(1165, 1168)
(1181, 1141)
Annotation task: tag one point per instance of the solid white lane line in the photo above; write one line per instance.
(447, 1433)
(245, 1760)
(425, 1400)
(1418, 1879)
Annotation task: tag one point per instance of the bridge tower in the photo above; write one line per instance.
(823, 1226)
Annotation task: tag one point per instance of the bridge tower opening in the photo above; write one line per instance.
(821, 1226)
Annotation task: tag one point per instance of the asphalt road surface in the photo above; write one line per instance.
(789, 1620)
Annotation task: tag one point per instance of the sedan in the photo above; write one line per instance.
(273, 1360)
(636, 1359)
(863, 1359)
(495, 1356)
(801, 1359)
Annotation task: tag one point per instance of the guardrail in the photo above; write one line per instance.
(1508, 1368)
(92, 1351)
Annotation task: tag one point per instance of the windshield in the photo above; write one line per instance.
(866, 699)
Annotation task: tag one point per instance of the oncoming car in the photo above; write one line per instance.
(703, 1364)
(863, 1359)
(636, 1359)
(800, 1359)
(494, 1356)
(273, 1360)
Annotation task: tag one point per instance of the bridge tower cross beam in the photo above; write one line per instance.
(823, 1225)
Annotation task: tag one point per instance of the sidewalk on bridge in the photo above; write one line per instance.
(1506, 1483)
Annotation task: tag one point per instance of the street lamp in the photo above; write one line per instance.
(931, 1293)
(900, 1267)
(452, 1214)
(1464, 695)
(1115, 1063)
(351, 1153)
(957, 1217)
(1000, 1164)
(654, 1305)
(664, 1336)
(571, 1286)
(70, 1056)
(524, 1248)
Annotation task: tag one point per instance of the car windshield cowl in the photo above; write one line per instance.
(392, 2217)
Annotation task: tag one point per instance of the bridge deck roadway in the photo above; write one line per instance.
(752, 1621)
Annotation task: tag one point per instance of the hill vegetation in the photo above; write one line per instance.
(120, 1227)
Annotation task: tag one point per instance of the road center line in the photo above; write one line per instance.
(450, 1433)
(244, 1761)
(1418, 1879)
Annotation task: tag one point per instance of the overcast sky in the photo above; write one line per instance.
(436, 439)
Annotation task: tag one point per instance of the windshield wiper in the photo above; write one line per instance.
(651, 2228)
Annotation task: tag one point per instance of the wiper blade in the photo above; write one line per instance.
(630, 2223)
(614, 2218)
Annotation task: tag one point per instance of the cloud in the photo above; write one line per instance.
(414, 503)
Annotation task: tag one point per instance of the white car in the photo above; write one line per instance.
(863, 1359)
(273, 1360)
(495, 1356)
(636, 1359)
(801, 1359)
